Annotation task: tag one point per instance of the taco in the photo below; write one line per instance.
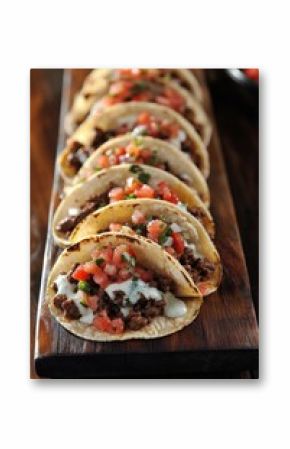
(145, 150)
(176, 231)
(123, 182)
(137, 119)
(119, 287)
(161, 91)
(99, 81)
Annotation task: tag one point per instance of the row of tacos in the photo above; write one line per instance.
(134, 216)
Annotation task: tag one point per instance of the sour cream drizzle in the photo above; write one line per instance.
(64, 287)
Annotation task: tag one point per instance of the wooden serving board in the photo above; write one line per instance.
(224, 337)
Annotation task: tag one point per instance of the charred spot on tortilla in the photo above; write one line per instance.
(74, 247)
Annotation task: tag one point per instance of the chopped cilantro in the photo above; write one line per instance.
(84, 286)
(144, 177)
(165, 234)
(99, 261)
(140, 229)
(131, 196)
(135, 169)
(129, 259)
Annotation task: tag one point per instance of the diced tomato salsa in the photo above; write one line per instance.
(133, 152)
(157, 230)
(135, 87)
(108, 265)
(134, 188)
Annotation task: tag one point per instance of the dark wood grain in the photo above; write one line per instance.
(223, 338)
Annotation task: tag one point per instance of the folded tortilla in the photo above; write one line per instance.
(98, 82)
(102, 181)
(121, 213)
(114, 115)
(178, 163)
(149, 255)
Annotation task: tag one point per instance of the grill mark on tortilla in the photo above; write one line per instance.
(74, 247)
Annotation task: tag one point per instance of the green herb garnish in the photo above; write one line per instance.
(164, 236)
(144, 177)
(135, 169)
(129, 259)
(131, 196)
(97, 169)
(84, 286)
(99, 261)
(83, 304)
(140, 229)
(139, 86)
(153, 158)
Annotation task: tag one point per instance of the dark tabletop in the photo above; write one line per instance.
(236, 113)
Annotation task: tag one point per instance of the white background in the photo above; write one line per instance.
(203, 414)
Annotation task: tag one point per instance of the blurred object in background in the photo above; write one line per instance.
(238, 87)
(236, 105)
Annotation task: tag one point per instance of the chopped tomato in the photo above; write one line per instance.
(120, 87)
(155, 228)
(143, 118)
(131, 185)
(117, 255)
(133, 150)
(113, 160)
(108, 101)
(138, 217)
(101, 279)
(103, 161)
(80, 274)
(110, 269)
(115, 227)
(103, 323)
(124, 274)
(252, 73)
(170, 250)
(163, 100)
(178, 242)
(165, 192)
(171, 128)
(92, 301)
(145, 275)
(145, 191)
(91, 267)
(120, 151)
(153, 128)
(116, 194)
(142, 96)
(146, 153)
(106, 254)
(176, 101)
(117, 326)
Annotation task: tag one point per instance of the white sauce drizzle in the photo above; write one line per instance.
(64, 287)
(176, 141)
(174, 307)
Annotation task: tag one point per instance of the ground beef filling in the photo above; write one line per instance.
(69, 308)
(67, 224)
(79, 153)
(199, 269)
(139, 314)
